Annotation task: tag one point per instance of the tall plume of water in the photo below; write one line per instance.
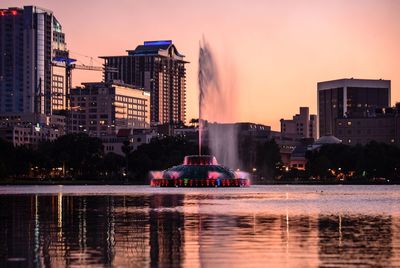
(216, 104)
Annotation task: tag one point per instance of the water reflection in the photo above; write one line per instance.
(175, 230)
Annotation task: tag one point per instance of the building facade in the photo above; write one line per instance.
(349, 98)
(30, 136)
(31, 129)
(30, 38)
(136, 137)
(159, 68)
(303, 125)
(101, 109)
(381, 126)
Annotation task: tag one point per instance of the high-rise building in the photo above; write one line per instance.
(348, 98)
(101, 109)
(159, 68)
(303, 125)
(30, 38)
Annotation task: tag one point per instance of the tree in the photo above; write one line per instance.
(159, 154)
(268, 159)
(112, 165)
(6, 158)
(80, 154)
(126, 149)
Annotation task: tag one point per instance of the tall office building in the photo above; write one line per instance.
(159, 68)
(349, 98)
(30, 38)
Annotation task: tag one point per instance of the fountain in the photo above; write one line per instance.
(199, 171)
(216, 104)
(216, 97)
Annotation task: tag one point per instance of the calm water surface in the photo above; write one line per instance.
(261, 226)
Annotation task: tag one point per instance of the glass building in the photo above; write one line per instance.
(345, 98)
(30, 38)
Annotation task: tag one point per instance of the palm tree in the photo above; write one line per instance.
(126, 149)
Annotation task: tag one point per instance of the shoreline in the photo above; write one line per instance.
(9, 182)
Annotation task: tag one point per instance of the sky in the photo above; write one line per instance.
(274, 51)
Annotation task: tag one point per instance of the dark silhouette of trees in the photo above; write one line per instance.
(159, 154)
(262, 159)
(371, 161)
(112, 165)
(14, 162)
(78, 156)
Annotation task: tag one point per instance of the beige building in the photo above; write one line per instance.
(302, 125)
(58, 88)
(101, 109)
(29, 135)
(159, 68)
(30, 129)
(24, 119)
(136, 137)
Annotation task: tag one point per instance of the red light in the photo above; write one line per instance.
(14, 12)
(1, 13)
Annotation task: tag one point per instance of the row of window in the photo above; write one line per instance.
(129, 99)
(364, 131)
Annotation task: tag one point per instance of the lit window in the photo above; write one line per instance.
(349, 123)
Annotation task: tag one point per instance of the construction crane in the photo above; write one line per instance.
(69, 65)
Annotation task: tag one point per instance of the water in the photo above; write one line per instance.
(139, 226)
(217, 103)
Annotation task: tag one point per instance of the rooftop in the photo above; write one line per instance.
(330, 139)
(354, 82)
(163, 48)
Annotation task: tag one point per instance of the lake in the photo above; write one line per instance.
(260, 226)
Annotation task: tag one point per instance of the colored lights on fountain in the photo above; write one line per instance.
(199, 171)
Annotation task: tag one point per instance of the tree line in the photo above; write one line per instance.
(371, 162)
(80, 157)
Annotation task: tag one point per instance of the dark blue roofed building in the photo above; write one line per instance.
(159, 68)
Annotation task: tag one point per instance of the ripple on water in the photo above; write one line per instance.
(139, 226)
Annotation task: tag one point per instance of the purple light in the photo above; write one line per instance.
(158, 43)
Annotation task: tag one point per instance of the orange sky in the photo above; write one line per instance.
(278, 50)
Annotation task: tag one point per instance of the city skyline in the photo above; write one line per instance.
(274, 52)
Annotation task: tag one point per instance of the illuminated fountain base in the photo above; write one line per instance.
(199, 171)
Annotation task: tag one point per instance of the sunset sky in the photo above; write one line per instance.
(275, 51)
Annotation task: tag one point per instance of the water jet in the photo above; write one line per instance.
(215, 104)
